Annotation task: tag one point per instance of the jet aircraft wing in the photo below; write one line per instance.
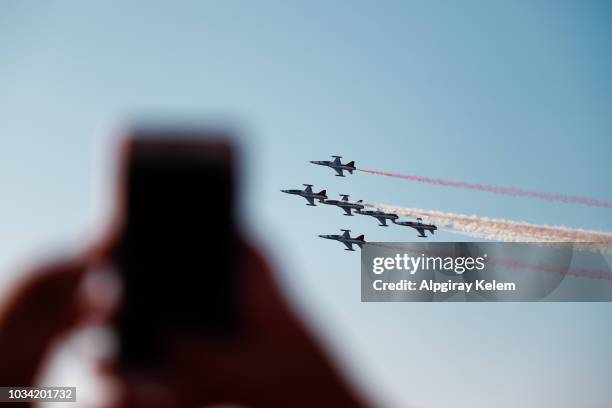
(383, 221)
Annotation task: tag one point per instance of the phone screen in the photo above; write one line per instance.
(178, 254)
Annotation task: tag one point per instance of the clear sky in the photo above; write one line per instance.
(510, 93)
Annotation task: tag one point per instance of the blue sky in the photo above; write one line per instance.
(507, 93)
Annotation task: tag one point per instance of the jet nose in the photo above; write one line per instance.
(284, 191)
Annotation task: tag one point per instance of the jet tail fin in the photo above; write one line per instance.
(351, 164)
(361, 238)
(323, 193)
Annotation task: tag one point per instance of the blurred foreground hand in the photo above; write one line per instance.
(273, 362)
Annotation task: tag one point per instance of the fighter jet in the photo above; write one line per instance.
(308, 194)
(346, 239)
(419, 226)
(381, 216)
(337, 165)
(345, 204)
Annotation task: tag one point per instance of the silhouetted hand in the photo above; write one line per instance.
(273, 363)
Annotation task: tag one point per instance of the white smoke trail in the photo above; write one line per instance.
(503, 230)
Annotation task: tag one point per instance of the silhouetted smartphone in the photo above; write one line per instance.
(178, 255)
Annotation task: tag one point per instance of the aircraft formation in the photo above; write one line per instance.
(357, 207)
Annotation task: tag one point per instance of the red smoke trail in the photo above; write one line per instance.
(512, 263)
(516, 192)
(577, 272)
